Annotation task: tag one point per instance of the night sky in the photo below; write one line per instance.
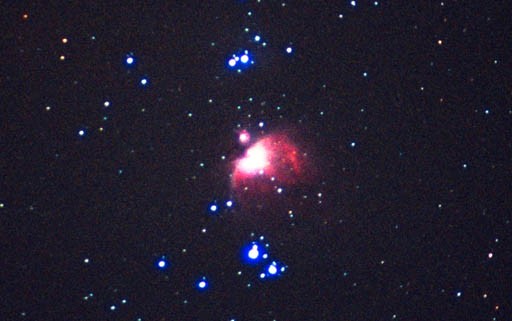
(256, 160)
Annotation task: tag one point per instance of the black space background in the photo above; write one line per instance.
(64, 199)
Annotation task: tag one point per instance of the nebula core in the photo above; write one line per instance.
(269, 163)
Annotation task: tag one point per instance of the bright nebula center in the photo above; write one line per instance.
(255, 161)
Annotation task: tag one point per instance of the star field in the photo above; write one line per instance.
(256, 160)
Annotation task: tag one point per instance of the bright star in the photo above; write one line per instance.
(162, 263)
(253, 253)
(202, 284)
(272, 269)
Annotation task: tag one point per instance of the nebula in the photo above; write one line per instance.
(270, 162)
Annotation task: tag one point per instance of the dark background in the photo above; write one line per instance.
(412, 220)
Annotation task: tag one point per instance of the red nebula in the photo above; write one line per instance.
(271, 162)
(244, 137)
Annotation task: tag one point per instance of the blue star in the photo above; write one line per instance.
(162, 263)
(202, 284)
(253, 253)
(242, 60)
(272, 270)
(129, 60)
